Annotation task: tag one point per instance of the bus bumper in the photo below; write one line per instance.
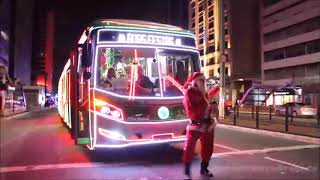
(113, 133)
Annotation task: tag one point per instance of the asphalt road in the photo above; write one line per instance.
(37, 146)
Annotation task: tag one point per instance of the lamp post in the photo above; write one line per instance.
(222, 58)
(45, 83)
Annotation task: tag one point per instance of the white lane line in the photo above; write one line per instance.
(57, 166)
(94, 165)
(287, 163)
(226, 147)
(265, 150)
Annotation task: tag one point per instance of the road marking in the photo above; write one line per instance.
(94, 165)
(287, 163)
(265, 150)
(57, 166)
(226, 147)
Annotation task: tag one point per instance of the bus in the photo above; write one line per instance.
(123, 84)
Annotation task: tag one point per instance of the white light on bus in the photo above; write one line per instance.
(116, 113)
(108, 110)
(105, 110)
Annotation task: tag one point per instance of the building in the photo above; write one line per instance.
(4, 33)
(31, 37)
(43, 43)
(203, 23)
(242, 42)
(290, 41)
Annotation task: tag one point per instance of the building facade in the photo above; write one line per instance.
(290, 45)
(242, 42)
(43, 43)
(4, 33)
(203, 23)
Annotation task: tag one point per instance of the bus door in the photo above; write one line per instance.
(83, 82)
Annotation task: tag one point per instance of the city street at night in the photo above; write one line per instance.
(36, 145)
(160, 89)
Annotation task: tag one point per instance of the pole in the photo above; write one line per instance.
(45, 83)
(238, 107)
(257, 111)
(222, 57)
(234, 115)
(270, 109)
(291, 113)
(318, 118)
(287, 114)
(252, 111)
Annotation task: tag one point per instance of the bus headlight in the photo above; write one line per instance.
(116, 113)
(108, 110)
(105, 110)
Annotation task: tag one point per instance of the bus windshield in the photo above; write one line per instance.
(145, 71)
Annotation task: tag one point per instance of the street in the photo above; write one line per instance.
(36, 145)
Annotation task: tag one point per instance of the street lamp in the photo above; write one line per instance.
(222, 57)
(45, 83)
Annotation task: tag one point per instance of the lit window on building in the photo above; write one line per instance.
(201, 52)
(200, 7)
(211, 49)
(193, 4)
(200, 19)
(211, 37)
(225, 31)
(210, 13)
(211, 24)
(211, 73)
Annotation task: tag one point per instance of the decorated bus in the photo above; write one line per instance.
(123, 84)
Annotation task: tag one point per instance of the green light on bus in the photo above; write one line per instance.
(163, 112)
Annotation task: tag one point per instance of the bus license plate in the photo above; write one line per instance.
(162, 136)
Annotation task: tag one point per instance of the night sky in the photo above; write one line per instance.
(72, 16)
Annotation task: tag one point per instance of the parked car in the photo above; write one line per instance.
(298, 109)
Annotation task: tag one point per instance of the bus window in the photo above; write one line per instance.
(144, 71)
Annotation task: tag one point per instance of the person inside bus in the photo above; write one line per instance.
(144, 84)
(107, 82)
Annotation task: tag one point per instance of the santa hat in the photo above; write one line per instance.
(192, 77)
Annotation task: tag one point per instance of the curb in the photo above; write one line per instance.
(22, 114)
(300, 138)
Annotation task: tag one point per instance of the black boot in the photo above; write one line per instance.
(187, 170)
(204, 169)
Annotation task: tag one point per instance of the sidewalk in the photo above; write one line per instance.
(11, 111)
(21, 112)
(275, 126)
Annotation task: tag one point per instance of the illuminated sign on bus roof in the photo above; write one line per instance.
(146, 38)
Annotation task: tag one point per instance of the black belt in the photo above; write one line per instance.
(203, 121)
(196, 123)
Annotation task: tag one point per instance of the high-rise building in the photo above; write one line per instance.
(290, 41)
(4, 33)
(242, 42)
(203, 23)
(43, 42)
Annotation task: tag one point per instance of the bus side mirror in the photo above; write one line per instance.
(86, 56)
(87, 75)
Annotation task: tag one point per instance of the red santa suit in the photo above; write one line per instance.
(198, 111)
